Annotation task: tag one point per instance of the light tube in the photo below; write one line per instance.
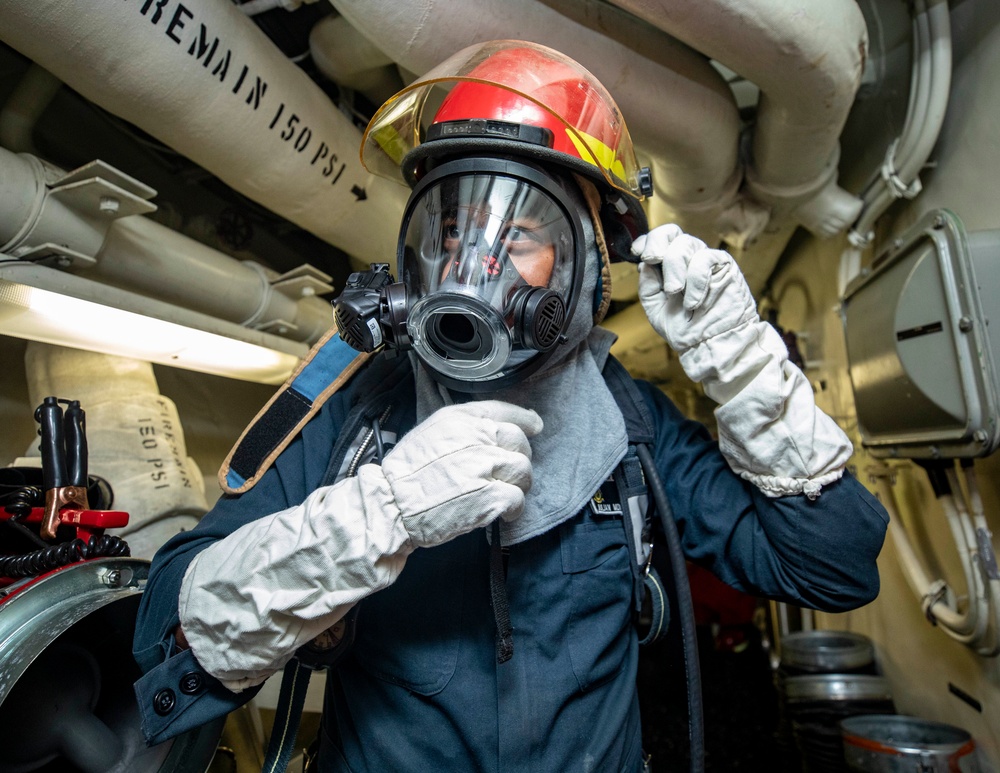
(52, 317)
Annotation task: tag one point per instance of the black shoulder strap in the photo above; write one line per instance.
(638, 421)
(633, 492)
(329, 365)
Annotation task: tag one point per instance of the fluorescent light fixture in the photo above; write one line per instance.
(42, 304)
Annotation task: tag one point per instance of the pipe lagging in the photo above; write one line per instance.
(25, 105)
(806, 57)
(143, 256)
(202, 78)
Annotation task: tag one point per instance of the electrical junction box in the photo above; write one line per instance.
(921, 353)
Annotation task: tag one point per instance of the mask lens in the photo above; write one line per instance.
(474, 247)
(487, 235)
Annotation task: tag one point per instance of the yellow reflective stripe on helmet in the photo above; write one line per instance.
(391, 143)
(589, 147)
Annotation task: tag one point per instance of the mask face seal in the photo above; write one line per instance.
(489, 256)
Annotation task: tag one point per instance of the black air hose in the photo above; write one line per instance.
(685, 609)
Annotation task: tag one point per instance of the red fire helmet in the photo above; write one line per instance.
(511, 97)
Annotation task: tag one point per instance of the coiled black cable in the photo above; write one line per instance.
(20, 501)
(63, 554)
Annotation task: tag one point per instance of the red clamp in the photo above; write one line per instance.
(88, 523)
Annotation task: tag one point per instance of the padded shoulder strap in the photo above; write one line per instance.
(329, 365)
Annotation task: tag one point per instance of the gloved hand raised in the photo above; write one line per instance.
(690, 293)
(460, 469)
(770, 430)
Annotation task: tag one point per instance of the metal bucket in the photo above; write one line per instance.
(900, 744)
(816, 704)
(815, 652)
(827, 652)
(66, 674)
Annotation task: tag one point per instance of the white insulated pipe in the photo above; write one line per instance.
(139, 254)
(933, 18)
(807, 58)
(25, 105)
(679, 110)
(22, 186)
(930, 88)
(202, 78)
(350, 60)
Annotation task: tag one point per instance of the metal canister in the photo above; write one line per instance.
(902, 744)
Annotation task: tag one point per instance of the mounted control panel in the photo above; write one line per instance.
(921, 353)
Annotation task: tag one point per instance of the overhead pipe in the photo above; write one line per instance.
(930, 87)
(807, 58)
(202, 78)
(920, 135)
(25, 105)
(680, 112)
(352, 61)
(141, 255)
(138, 254)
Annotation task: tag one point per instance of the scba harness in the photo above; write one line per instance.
(370, 429)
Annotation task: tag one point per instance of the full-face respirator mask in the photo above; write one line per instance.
(490, 258)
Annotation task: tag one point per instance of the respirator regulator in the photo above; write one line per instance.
(490, 256)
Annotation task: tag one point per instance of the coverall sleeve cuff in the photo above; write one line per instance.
(178, 696)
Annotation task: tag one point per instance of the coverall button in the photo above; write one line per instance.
(164, 702)
(191, 683)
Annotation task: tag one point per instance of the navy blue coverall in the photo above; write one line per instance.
(421, 688)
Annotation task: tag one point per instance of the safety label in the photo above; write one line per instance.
(180, 25)
(162, 449)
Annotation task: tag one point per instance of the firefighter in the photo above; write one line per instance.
(471, 493)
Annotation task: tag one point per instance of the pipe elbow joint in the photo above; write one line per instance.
(829, 212)
(820, 205)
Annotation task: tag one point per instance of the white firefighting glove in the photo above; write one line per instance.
(770, 429)
(249, 601)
